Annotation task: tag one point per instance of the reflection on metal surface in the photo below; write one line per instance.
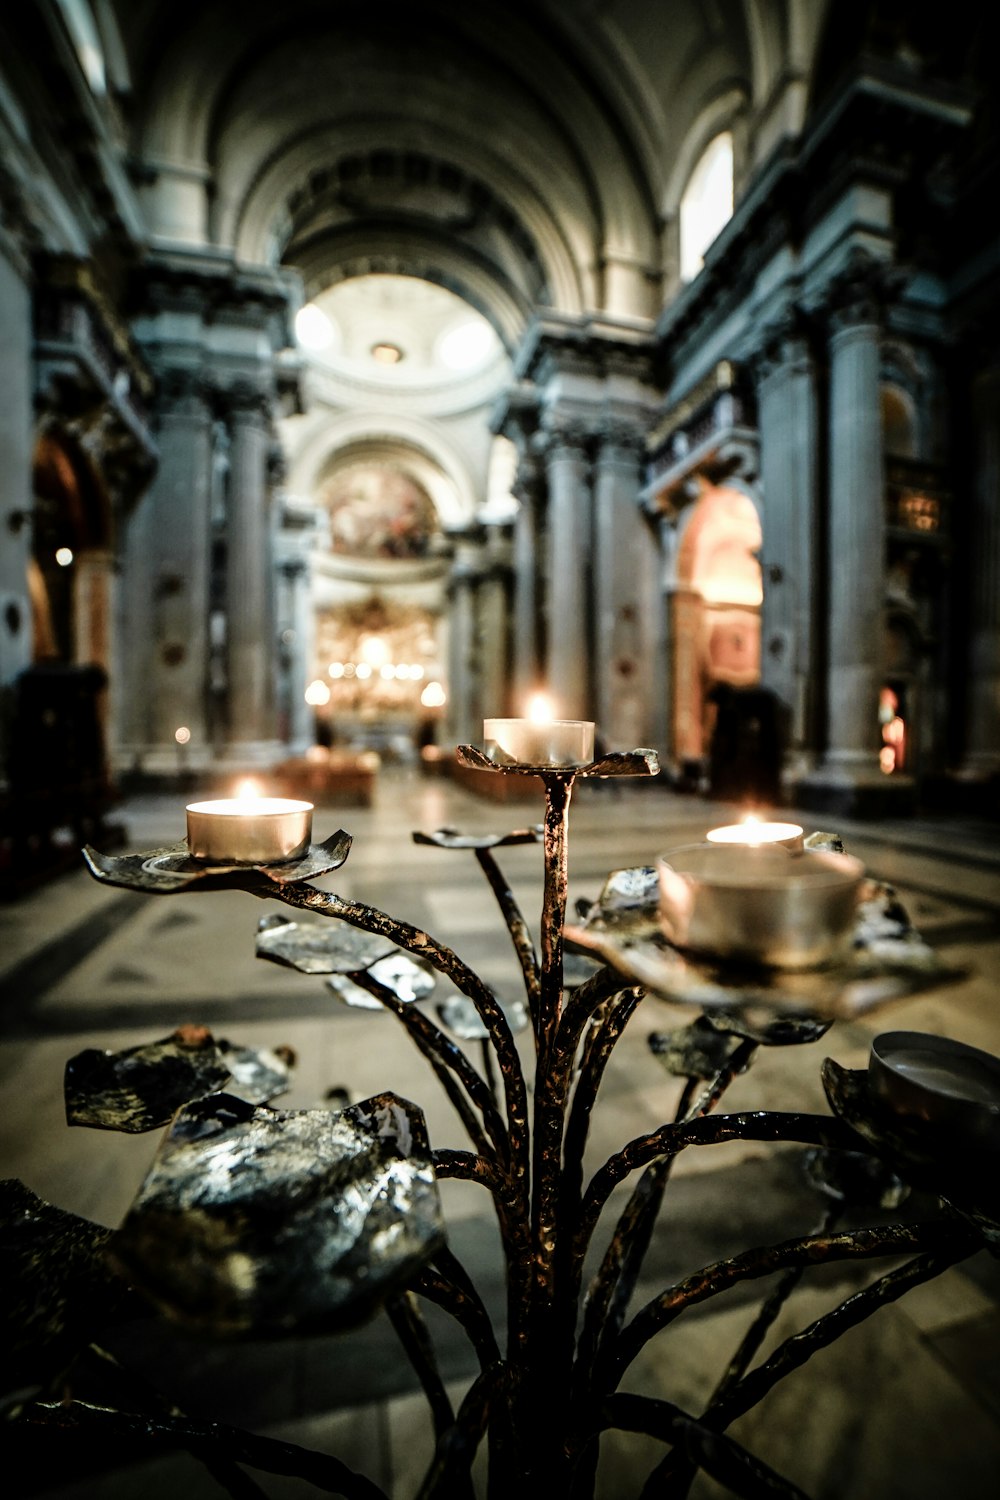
(887, 961)
(143, 1087)
(459, 1016)
(327, 947)
(161, 872)
(451, 838)
(260, 1223)
(57, 1288)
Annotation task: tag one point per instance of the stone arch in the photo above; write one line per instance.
(72, 518)
(716, 609)
(439, 466)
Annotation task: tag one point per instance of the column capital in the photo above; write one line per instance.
(858, 294)
(247, 401)
(783, 344)
(185, 392)
(565, 439)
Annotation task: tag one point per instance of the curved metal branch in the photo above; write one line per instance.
(206, 1440)
(759, 1125)
(446, 1058)
(456, 1295)
(820, 1249)
(457, 1448)
(604, 1033)
(721, 1457)
(413, 1334)
(519, 930)
(445, 961)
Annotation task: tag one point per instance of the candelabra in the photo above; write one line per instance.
(256, 1222)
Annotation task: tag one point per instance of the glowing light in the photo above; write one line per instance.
(313, 328)
(317, 693)
(387, 671)
(182, 735)
(540, 709)
(336, 669)
(387, 354)
(248, 790)
(363, 669)
(64, 556)
(433, 696)
(374, 650)
(466, 345)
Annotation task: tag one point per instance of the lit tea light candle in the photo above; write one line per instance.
(540, 739)
(249, 829)
(752, 832)
(766, 905)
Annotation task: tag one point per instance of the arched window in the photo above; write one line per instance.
(707, 204)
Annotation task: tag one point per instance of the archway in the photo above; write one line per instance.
(716, 611)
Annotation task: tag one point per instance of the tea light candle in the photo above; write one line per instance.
(249, 830)
(766, 905)
(752, 832)
(539, 740)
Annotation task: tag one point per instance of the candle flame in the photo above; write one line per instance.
(540, 709)
(247, 790)
(754, 827)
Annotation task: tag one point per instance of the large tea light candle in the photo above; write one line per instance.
(753, 832)
(249, 830)
(539, 740)
(766, 905)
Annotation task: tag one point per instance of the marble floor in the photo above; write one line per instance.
(905, 1406)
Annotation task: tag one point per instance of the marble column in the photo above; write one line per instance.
(15, 465)
(568, 575)
(249, 593)
(982, 756)
(789, 451)
(493, 624)
(299, 622)
(526, 642)
(165, 593)
(464, 727)
(627, 694)
(856, 561)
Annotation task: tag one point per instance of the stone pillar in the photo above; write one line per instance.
(790, 647)
(165, 593)
(249, 593)
(526, 643)
(982, 756)
(463, 726)
(626, 591)
(15, 465)
(849, 779)
(568, 576)
(493, 625)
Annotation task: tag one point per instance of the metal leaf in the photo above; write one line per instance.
(258, 1073)
(450, 838)
(258, 1223)
(618, 763)
(141, 1088)
(354, 995)
(330, 946)
(164, 871)
(695, 1051)
(58, 1289)
(459, 1016)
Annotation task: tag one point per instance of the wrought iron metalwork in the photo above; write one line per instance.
(256, 1222)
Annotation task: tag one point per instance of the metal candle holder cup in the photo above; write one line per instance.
(249, 831)
(762, 905)
(935, 1080)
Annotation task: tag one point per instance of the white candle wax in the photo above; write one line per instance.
(752, 833)
(527, 742)
(249, 830)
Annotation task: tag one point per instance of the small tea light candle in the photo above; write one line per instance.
(249, 830)
(539, 740)
(752, 832)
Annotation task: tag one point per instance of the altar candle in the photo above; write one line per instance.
(752, 832)
(539, 740)
(249, 829)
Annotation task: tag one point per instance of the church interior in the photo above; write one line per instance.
(366, 373)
